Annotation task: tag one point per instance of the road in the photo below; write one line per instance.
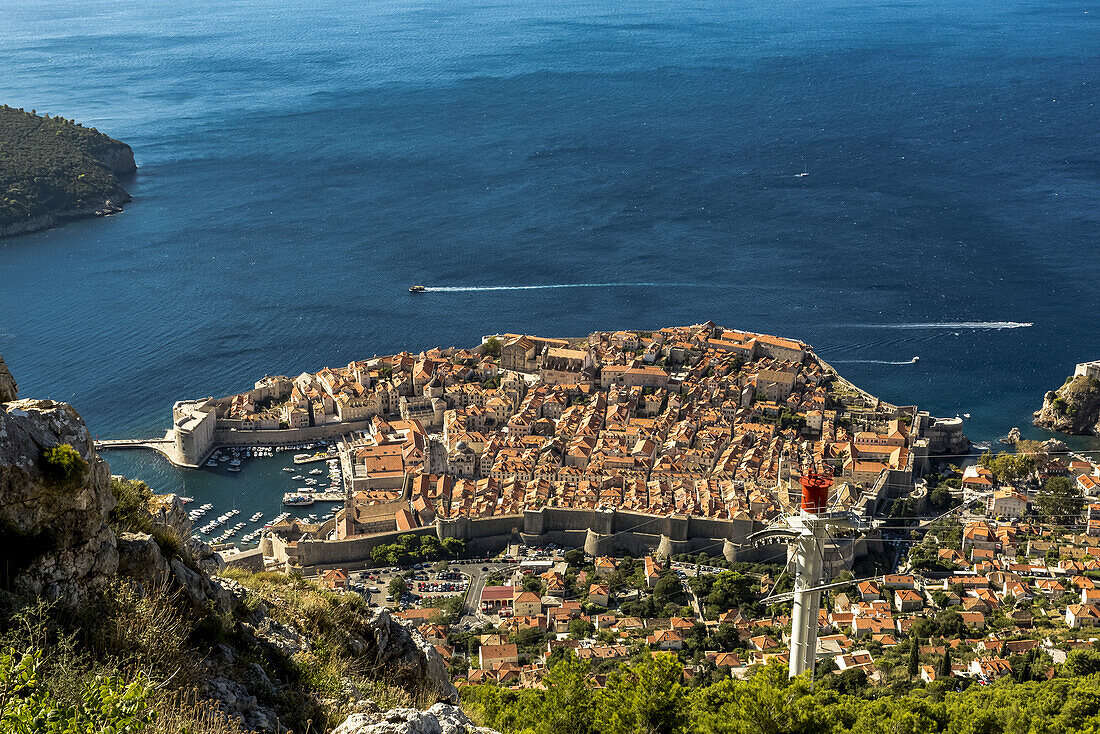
(472, 569)
(478, 580)
(689, 571)
(437, 455)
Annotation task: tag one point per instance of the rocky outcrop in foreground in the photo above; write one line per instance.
(53, 530)
(439, 719)
(1073, 408)
(59, 539)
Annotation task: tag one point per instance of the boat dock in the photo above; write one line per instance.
(310, 458)
(329, 496)
(164, 446)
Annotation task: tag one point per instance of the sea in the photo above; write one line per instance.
(884, 180)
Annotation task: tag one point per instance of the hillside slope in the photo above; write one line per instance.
(112, 615)
(53, 169)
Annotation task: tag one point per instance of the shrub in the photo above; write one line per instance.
(131, 512)
(1081, 663)
(62, 465)
(172, 545)
(106, 704)
(182, 713)
(491, 347)
(141, 626)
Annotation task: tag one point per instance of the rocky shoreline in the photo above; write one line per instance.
(1074, 408)
(55, 219)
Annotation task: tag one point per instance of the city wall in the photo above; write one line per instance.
(286, 436)
(598, 532)
(192, 454)
(350, 552)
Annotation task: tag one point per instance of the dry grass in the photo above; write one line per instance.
(329, 620)
(141, 628)
(155, 632)
(181, 711)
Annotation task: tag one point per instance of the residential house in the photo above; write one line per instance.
(907, 600)
(856, 659)
(990, 667)
(665, 640)
(599, 594)
(335, 578)
(652, 572)
(489, 656)
(1008, 502)
(869, 591)
(605, 566)
(527, 604)
(973, 619)
(1082, 615)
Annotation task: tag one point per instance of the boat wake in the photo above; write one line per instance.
(465, 288)
(952, 325)
(914, 360)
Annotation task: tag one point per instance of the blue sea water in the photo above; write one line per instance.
(301, 164)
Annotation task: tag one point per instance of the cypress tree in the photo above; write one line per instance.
(914, 657)
(945, 665)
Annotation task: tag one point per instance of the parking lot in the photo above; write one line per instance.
(464, 577)
(424, 582)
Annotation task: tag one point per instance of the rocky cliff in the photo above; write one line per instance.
(53, 531)
(8, 389)
(1073, 408)
(267, 652)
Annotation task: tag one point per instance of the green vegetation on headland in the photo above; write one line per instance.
(1073, 408)
(52, 168)
(651, 695)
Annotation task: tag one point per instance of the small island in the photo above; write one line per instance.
(53, 169)
(1074, 408)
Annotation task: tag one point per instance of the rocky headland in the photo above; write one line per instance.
(1073, 408)
(53, 169)
(102, 581)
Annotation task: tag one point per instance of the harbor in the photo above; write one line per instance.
(239, 491)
